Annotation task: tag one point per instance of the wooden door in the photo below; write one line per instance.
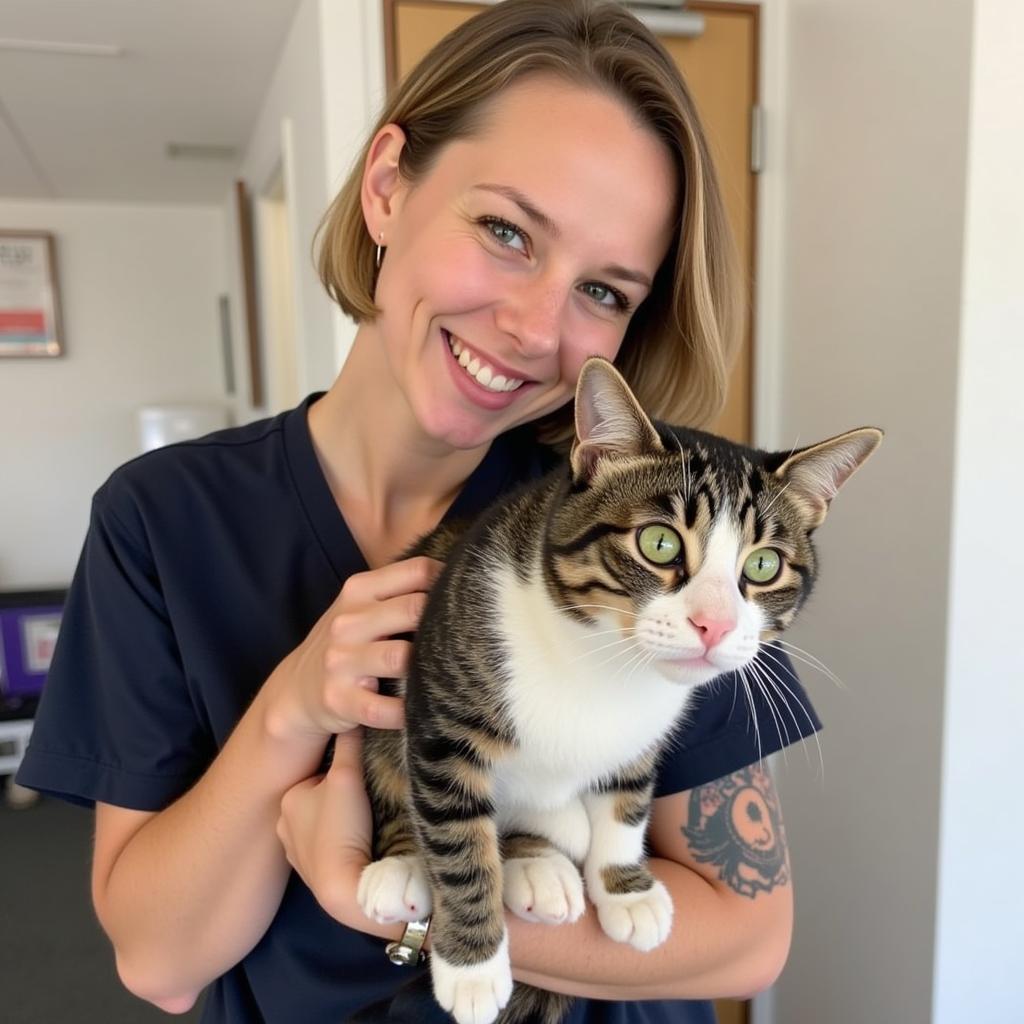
(721, 69)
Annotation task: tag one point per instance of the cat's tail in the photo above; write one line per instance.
(534, 1006)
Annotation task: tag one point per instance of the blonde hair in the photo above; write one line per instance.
(680, 341)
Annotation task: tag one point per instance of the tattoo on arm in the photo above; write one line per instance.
(735, 825)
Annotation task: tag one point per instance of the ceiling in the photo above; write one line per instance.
(97, 128)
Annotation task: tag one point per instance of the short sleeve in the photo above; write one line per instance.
(116, 721)
(735, 721)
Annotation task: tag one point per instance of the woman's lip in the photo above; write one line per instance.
(498, 368)
(473, 389)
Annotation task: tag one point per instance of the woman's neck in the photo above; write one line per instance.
(386, 475)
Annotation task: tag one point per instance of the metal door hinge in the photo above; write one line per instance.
(756, 139)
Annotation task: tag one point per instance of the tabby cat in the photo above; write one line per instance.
(531, 749)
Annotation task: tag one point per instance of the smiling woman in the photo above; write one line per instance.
(528, 303)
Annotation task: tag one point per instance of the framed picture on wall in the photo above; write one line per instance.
(29, 295)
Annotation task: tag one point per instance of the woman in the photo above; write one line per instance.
(537, 191)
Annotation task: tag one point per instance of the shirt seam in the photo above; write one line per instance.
(50, 752)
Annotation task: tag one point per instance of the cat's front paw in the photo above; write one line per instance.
(643, 919)
(547, 888)
(473, 993)
(394, 889)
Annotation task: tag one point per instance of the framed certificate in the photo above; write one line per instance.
(29, 296)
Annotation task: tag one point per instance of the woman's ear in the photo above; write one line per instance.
(382, 187)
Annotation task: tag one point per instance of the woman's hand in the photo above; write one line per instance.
(326, 828)
(328, 684)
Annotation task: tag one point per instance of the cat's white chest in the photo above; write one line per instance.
(580, 713)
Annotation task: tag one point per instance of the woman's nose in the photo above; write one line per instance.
(533, 316)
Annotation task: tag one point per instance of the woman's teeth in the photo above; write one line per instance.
(480, 371)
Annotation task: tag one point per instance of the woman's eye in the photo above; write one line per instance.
(503, 232)
(602, 292)
(660, 544)
(763, 565)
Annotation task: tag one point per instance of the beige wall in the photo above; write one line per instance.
(876, 147)
(139, 288)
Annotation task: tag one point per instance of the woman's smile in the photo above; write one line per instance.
(481, 379)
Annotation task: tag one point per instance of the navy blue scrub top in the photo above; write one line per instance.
(205, 563)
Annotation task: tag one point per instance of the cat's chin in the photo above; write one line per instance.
(689, 671)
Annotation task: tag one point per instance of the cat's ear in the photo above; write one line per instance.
(609, 420)
(814, 475)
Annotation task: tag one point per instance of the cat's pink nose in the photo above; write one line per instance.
(711, 630)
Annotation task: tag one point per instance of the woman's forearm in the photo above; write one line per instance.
(197, 886)
(721, 945)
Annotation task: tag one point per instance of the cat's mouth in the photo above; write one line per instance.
(691, 670)
(694, 661)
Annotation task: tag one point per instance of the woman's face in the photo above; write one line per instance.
(528, 248)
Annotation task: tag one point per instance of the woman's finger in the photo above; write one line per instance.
(383, 659)
(402, 577)
(348, 753)
(389, 617)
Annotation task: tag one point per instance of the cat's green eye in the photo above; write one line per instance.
(763, 565)
(660, 544)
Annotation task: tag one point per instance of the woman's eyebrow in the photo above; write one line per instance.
(539, 217)
(525, 205)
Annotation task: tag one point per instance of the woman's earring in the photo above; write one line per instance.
(380, 250)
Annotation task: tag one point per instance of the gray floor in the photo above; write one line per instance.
(55, 964)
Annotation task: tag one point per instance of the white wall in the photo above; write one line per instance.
(294, 95)
(980, 928)
(327, 87)
(352, 45)
(876, 152)
(139, 287)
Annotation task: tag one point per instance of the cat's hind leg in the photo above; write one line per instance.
(538, 851)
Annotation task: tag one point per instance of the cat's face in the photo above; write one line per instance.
(692, 547)
(696, 553)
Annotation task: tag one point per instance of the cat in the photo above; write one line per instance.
(528, 748)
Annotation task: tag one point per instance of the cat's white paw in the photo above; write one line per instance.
(394, 889)
(473, 994)
(643, 919)
(547, 889)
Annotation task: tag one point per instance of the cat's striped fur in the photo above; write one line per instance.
(549, 668)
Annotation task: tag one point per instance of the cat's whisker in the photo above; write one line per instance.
(794, 651)
(753, 713)
(779, 681)
(763, 673)
(607, 632)
(604, 647)
(633, 642)
(687, 479)
(780, 722)
(643, 664)
(633, 664)
(799, 654)
(773, 708)
(771, 503)
(607, 607)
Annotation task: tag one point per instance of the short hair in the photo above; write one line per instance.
(679, 344)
